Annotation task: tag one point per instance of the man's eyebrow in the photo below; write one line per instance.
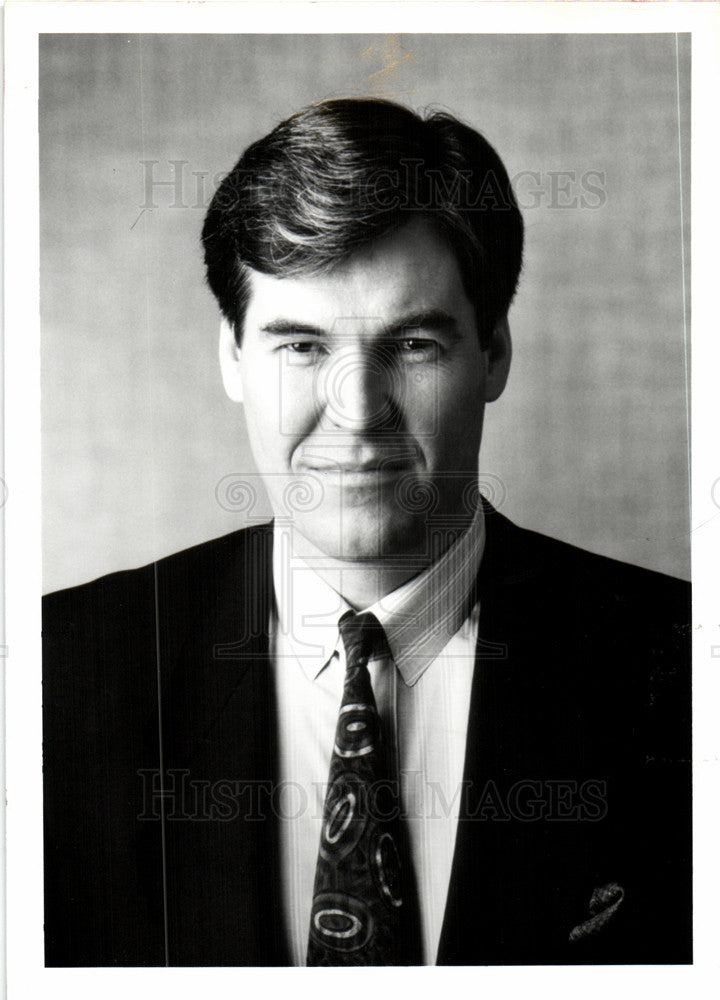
(282, 327)
(436, 320)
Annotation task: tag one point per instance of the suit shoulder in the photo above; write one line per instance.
(123, 585)
(121, 616)
(599, 577)
(614, 635)
(639, 621)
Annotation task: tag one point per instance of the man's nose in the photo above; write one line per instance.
(357, 390)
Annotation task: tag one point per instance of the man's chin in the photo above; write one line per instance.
(359, 540)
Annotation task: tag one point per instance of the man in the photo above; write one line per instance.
(391, 727)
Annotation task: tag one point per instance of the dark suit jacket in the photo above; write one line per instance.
(577, 769)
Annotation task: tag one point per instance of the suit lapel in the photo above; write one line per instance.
(219, 743)
(516, 879)
(475, 896)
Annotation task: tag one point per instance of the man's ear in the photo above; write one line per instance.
(230, 362)
(499, 355)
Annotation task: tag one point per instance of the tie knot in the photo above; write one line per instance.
(362, 635)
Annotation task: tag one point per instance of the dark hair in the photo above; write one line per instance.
(344, 172)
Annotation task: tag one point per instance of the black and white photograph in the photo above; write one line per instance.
(365, 466)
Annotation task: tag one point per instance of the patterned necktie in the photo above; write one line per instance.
(357, 900)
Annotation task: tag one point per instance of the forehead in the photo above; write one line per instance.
(411, 269)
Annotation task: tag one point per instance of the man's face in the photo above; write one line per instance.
(364, 391)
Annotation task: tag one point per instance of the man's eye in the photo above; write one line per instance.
(419, 349)
(302, 347)
(303, 350)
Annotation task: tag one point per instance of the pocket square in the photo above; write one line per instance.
(604, 902)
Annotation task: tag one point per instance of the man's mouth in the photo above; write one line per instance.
(352, 468)
(363, 475)
(363, 461)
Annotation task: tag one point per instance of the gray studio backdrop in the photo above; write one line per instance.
(589, 441)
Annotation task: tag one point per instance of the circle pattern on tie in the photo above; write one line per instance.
(356, 731)
(340, 922)
(386, 869)
(345, 816)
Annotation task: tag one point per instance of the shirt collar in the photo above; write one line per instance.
(419, 618)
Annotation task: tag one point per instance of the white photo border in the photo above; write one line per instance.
(26, 975)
